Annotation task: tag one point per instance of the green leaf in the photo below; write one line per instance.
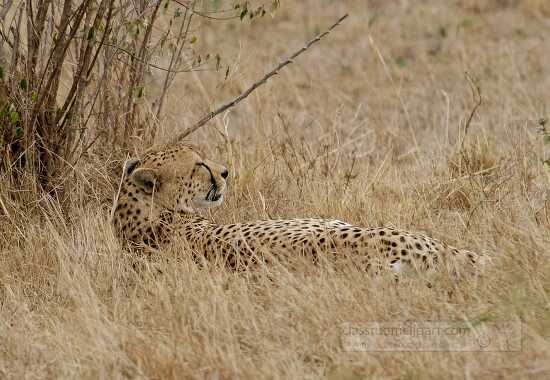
(215, 4)
(466, 22)
(177, 13)
(372, 19)
(140, 92)
(244, 11)
(14, 117)
(23, 84)
(193, 39)
(401, 61)
(34, 96)
(18, 132)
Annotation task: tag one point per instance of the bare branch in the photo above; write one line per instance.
(16, 31)
(143, 61)
(476, 93)
(262, 81)
(48, 92)
(35, 29)
(136, 73)
(3, 12)
(86, 59)
(206, 14)
(5, 9)
(176, 55)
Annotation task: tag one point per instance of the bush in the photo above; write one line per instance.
(72, 78)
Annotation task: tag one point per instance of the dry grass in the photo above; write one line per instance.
(365, 128)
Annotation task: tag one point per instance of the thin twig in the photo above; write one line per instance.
(176, 55)
(476, 93)
(135, 57)
(16, 40)
(137, 70)
(3, 12)
(206, 14)
(262, 81)
(5, 9)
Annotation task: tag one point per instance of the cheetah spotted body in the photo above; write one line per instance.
(161, 193)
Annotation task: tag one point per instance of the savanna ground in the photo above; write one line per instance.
(366, 127)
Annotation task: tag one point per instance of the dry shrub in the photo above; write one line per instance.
(476, 158)
(73, 80)
(471, 176)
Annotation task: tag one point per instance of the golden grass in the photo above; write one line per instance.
(366, 128)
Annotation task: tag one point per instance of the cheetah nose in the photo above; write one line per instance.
(225, 173)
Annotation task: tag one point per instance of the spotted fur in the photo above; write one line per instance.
(161, 193)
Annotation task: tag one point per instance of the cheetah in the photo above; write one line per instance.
(160, 197)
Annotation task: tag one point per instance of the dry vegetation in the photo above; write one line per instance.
(367, 128)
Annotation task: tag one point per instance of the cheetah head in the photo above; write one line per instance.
(178, 178)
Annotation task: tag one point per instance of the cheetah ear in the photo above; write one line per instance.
(130, 166)
(146, 179)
